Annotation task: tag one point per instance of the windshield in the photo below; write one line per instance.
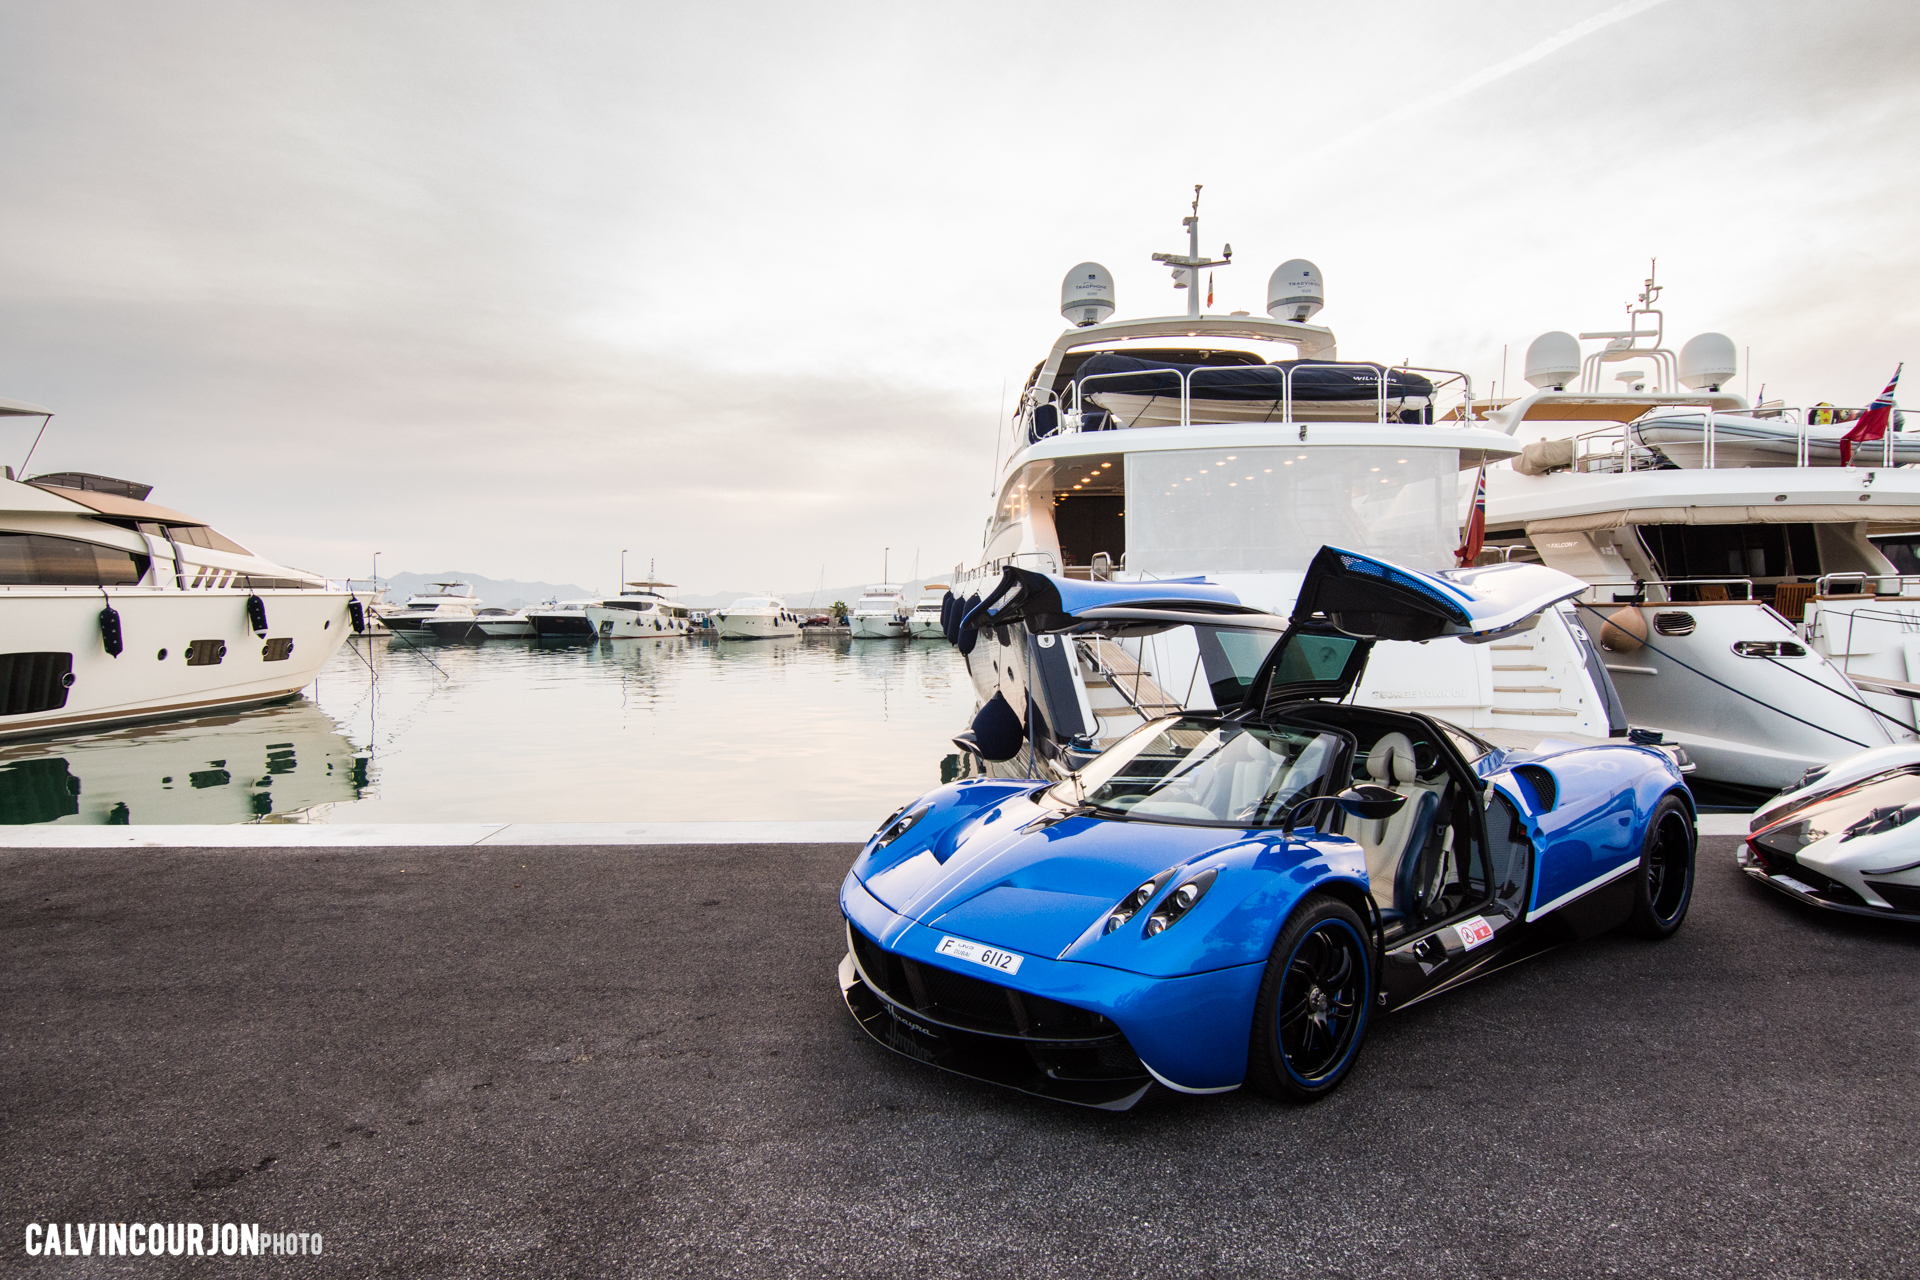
(1207, 771)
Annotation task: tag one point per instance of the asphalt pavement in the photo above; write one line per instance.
(556, 1061)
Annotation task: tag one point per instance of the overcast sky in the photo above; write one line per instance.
(508, 287)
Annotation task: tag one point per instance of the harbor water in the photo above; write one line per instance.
(401, 729)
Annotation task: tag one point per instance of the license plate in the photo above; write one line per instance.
(991, 957)
(1791, 883)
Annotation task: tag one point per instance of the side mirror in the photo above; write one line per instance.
(1370, 802)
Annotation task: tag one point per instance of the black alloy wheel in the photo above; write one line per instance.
(1663, 887)
(1312, 1009)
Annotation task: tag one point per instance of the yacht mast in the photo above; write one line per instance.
(1188, 266)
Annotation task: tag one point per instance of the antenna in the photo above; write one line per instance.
(1188, 266)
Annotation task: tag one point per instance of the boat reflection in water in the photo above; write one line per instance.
(271, 763)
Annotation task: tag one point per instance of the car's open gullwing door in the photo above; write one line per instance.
(1348, 601)
(1049, 604)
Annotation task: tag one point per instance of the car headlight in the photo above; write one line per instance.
(899, 824)
(1179, 902)
(1884, 819)
(1130, 905)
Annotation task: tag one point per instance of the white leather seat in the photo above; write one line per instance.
(1391, 764)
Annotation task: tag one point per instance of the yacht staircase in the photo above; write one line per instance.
(1120, 694)
(1530, 679)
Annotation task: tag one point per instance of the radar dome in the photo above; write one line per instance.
(1553, 360)
(1295, 290)
(1086, 295)
(1707, 362)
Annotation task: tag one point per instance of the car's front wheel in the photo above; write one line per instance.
(1313, 1003)
(1663, 886)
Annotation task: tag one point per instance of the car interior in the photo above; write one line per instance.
(1428, 861)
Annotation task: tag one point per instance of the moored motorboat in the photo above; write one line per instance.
(503, 624)
(924, 622)
(114, 609)
(448, 600)
(1743, 605)
(879, 614)
(642, 611)
(563, 620)
(1233, 447)
(756, 618)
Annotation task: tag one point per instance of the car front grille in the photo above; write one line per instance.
(990, 1032)
(973, 1003)
(1902, 897)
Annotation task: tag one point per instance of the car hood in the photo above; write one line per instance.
(1036, 884)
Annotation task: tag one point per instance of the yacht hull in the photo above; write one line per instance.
(756, 627)
(212, 659)
(565, 627)
(517, 629)
(1757, 722)
(877, 628)
(626, 624)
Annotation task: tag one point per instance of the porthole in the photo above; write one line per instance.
(328, 623)
(162, 655)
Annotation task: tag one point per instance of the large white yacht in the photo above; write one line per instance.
(756, 618)
(1746, 609)
(642, 611)
(119, 609)
(924, 622)
(1234, 446)
(452, 601)
(880, 613)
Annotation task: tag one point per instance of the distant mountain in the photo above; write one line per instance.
(494, 593)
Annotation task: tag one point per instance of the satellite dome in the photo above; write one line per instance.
(1553, 360)
(1707, 362)
(1295, 290)
(1086, 294)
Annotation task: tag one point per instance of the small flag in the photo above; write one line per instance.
(1209, 288)
(1874, 422)
(1476, 532)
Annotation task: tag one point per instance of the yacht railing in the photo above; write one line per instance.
(1831, 584)
(1071, 409)
(1612, 449)
(1637, 593)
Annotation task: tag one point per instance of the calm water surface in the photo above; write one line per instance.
(399, 729)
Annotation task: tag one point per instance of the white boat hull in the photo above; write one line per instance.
(1754, 722)
(926, 629)
(756, 626)
(626, 624)
(506, 629)
(141, 684)
(876, 627)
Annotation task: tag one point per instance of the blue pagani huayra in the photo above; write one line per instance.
(1227, 898)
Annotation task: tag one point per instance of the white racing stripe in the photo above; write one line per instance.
(1588, 887)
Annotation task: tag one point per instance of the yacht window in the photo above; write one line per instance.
(199, 535)
(1212, 772)
(35, 560)
(1267, 510)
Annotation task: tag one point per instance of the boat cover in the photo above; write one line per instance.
(1740, 440)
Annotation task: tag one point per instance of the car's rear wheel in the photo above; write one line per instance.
(1663, 887)
(1313, 1003)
